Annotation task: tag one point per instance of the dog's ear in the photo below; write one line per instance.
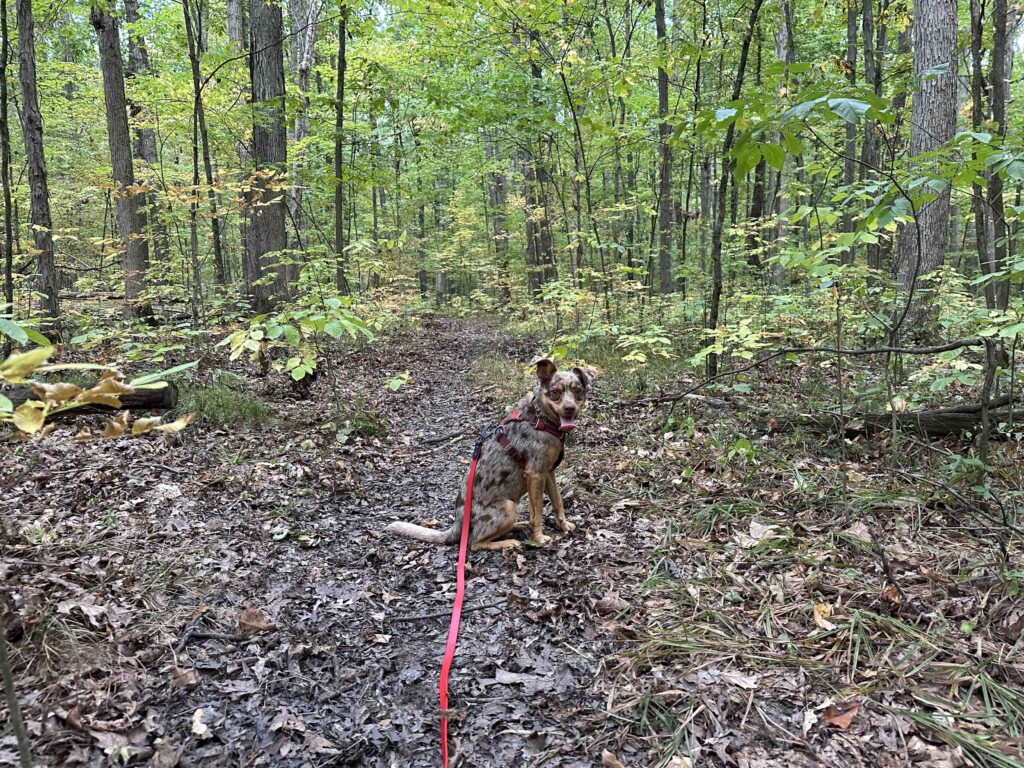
(586, 374)
(545, 369)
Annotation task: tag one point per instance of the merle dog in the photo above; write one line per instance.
(517, 459)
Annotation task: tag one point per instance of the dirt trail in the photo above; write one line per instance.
(288, 520)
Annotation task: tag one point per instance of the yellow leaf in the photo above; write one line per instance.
(822, 613)
(142, 426)
(111, 385)
(16, 367)
(29, 417)
(98, 398)
(56, 394)
(116, 427)
(177, 425)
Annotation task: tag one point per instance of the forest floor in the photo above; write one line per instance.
(228, 596)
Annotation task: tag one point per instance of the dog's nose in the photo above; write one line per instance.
(569, 409)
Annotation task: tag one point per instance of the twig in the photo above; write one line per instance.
(446, 614)
(932, 350)
(13, 708)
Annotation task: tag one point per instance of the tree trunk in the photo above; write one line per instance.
(340, 245)
(5, 163)
(665, 282)
(307, 37)
(999, 84)
(35, 158)
(220, 268)
(979, 204)
(130, 223)
(714, 306)
(236, 24)
(850, 151)
(922, 248)
(267, 211)
(873, 78)
(786, 53)
(498, 202)
(145, 137)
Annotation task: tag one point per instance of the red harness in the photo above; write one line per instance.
(539, 424)
(460, 574)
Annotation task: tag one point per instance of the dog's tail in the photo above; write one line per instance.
(429, 535)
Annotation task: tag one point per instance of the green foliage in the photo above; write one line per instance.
(225, 401)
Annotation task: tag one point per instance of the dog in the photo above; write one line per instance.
(517, 459)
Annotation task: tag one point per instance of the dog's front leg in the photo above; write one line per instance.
(535, 491)
(556, 504)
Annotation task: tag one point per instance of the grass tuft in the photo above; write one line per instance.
(225, 401)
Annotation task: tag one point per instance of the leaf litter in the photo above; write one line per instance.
(226, 596)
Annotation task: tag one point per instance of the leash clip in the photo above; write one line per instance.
(486, 433)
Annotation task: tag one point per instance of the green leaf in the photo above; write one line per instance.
(774, 155)
(15, 331)
(37, 338)
(149, 378)
(724, 114)
(291, 335)
(800, 111)
(851, 110)
(6, 406)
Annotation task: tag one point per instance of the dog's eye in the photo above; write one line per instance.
(556, 394)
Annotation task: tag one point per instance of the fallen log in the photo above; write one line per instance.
(931, 423)
(161, 399)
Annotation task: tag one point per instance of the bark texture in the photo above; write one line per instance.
(922, 248)
(35, 158)
(130, 222)
(267, 208)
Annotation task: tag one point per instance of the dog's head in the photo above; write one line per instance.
(562, 394)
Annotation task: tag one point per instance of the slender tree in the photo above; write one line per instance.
(714, 306)
(340, 245)
(5, 162)
(201, 138)
(130, 223)
(665, 283)
(39, 192)
(999, 85)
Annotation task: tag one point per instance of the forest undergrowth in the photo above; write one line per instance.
(737, 594)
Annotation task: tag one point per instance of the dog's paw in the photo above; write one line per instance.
(540, 540)
(565, 526)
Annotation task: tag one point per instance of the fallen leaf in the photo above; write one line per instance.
(173, 427)
(142, 426)
(892, 594)
(184, 678)
(252, 622)
(610, 604)
(809, 721)
(55, 394)
(822, 613)
(199, 728)
(678, 761)
(117, 426)
(841, 713)
(609, 760)
(746, 682)
(29, 418)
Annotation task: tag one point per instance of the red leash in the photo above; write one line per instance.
(460, 593)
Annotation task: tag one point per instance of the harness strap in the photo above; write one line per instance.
(539, 424)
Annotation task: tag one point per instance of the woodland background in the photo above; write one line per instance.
(302, 248)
